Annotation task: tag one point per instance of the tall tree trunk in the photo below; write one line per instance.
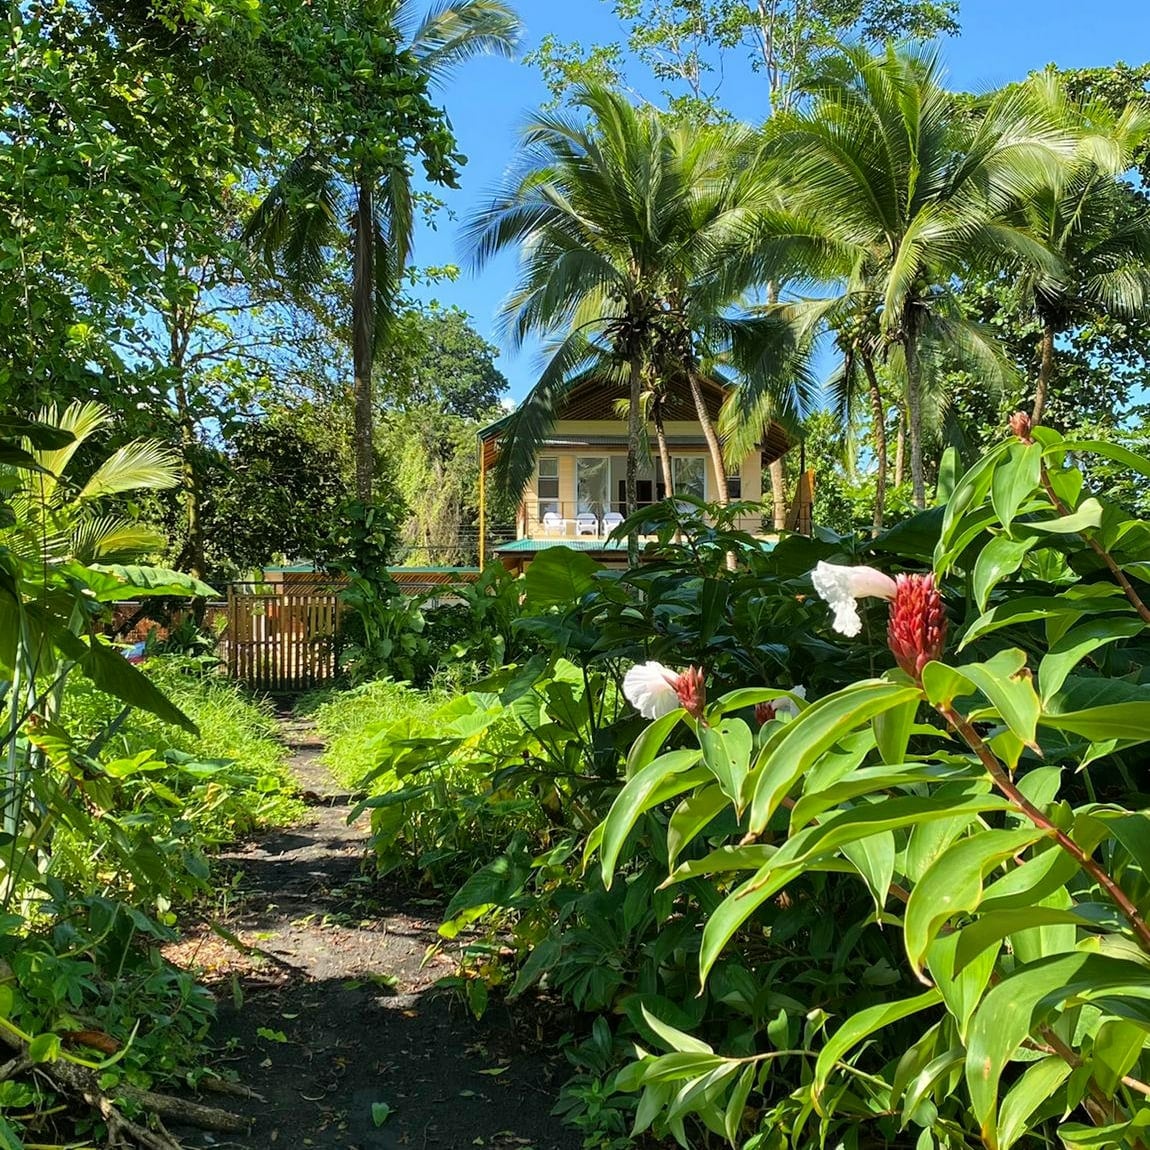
(191, 482)
(633, 434)
(664, 450)
(1045, 372)
(878, 414)
(914, 411)
(713, 445)
(778, 476)
(778, 469)
(363, 336)
(900, 449)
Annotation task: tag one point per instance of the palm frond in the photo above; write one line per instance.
(143, 465)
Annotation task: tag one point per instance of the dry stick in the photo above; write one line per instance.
(1086, 861)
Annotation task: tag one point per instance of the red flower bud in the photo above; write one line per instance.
(764, 713)
(692, 692)
(1021, 425)
(917, 631)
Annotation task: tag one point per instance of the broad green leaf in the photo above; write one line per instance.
(1076, 644)
(1015, 479)
(111, 672)
(866, 781)
(1113, 451)
(675, 1040)
(559, 577)
(892, 731)
(732, 857)
(874, 858)
(928, 1078)
(993, 926)
(651, 740)
(1004, 680)
(971, 491)
(1117, 1048)
(954, 884)
(798, 745)
(1088, 514)
(860, 1026)
(1028, 997)
(691, 816)
(1123, 1134)
(727, 754)
(962, 990)
(1034, 1088)
(44, 1048)
(645, 790)
(737, 1104)
(1029, 608)
(1001, 557)
(811, 846)
(133, 581)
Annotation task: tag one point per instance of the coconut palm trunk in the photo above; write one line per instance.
(914, 408)
(363, 334)
(712, 438)
(1045, 371)
(878, 414)
(664, 450)
(634, 431)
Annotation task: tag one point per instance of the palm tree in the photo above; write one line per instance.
(893, 168)
(618, 218)
(342, 179)
(59, 519)
(1089, 217)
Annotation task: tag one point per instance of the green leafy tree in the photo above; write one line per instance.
(1093, 221)
(687, 45)
(619, 222)
(366, 71)
(909, 190)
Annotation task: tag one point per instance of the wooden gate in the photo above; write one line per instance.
(282, 637)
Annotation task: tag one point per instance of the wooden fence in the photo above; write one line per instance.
(282, 637)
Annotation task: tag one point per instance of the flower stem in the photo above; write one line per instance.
(1086, 861)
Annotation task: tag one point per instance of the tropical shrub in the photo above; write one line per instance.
(961, 843)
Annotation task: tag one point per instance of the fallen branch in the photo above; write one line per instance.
(70, 1079)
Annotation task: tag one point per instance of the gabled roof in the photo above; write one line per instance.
(594, 399)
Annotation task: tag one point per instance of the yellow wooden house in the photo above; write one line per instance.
(577, 497)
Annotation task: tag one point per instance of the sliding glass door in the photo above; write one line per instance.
(592, 484)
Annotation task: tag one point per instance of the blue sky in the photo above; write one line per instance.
(1002, 40)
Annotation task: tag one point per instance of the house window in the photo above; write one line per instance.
(690, 475)
(734, 482)
(547, 485)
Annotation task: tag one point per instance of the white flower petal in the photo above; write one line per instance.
(784, 704)
(842, 586)
(650, 689)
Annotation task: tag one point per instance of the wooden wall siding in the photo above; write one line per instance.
(282, 638)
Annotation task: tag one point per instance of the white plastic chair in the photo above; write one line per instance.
(553, 525)
(586, 523)
(610, 521)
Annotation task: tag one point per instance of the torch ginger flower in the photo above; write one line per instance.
(842, 587)
(917, 630)
(784, 705)
(655, 690)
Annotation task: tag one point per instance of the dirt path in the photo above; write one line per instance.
(334, 1022)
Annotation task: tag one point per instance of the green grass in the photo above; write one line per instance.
(232, 725)
(354, 723)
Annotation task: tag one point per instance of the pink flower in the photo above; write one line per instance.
(842, 587)
(655, 690)
(1021, 425)
(765, 712)
(917, 631)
